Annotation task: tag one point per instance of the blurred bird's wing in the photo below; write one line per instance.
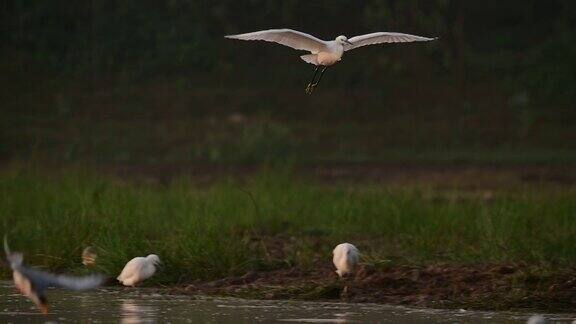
(42, 280)
(79, 283)
(287, 37)
(383, 37)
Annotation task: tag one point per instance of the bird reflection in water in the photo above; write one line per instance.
(131, 312)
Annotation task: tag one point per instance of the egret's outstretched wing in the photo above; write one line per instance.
(288, 37)
(383, 37)
(41, 280)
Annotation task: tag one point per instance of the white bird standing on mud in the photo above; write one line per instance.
(325, 53)
(345, 258)
(139, 269)
(31, 282)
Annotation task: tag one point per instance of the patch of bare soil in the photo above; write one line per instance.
(471, 286)
(489, 287)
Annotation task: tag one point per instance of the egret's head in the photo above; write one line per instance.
(154, 259)
(343, 40)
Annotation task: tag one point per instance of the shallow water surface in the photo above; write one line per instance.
(127, 305)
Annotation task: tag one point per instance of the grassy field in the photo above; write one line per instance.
(225, 229)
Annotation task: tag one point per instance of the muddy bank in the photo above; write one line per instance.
(486, 287)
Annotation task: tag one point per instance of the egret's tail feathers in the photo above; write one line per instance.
(310, 58)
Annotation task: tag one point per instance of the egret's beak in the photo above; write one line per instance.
(348, 42)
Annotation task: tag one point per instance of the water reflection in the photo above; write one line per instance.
(111, 305)
(339, 318)
(316, 320)
(131, 312)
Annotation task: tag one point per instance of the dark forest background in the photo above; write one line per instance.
(155, 82)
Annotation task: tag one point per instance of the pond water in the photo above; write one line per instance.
(128, 305)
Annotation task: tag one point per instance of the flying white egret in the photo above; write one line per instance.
(346, 257)
(31, 282)
(138, 269)
(325, 53)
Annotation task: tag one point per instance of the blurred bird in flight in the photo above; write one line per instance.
(32, 283)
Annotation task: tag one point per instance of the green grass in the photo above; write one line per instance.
(221, 230)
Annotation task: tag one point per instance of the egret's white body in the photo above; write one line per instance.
(138, 269)
(345, 258)
(322, 52)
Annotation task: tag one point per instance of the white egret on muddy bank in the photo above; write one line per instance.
(325, 53)
(345, 258)
(139, 269)
(32, 283)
